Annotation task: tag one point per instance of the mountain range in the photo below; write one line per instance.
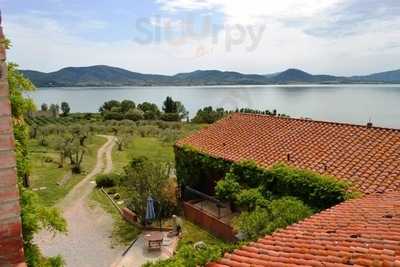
(102, 75)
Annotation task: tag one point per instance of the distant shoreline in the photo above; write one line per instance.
(215, 85)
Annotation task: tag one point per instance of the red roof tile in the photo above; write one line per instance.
(368, 157)
(360, 232)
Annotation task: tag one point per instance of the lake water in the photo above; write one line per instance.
(342, 103)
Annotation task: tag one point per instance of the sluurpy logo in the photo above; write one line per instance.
(194, 37)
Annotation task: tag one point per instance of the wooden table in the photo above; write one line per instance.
(153, 240)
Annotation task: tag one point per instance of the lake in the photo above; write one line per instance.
(341, 103)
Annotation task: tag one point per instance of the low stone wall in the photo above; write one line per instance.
(209, 222)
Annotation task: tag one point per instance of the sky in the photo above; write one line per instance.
(341, 37)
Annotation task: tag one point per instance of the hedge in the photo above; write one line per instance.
(193, 168)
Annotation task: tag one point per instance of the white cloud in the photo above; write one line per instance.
(44, 44)
(252, 10)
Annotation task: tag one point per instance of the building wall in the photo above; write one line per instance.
(11, 244)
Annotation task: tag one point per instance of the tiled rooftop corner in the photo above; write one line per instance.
(359, 232)
(11, 244)
(367, 156)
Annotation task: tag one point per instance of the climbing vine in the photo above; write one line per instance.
(318, 191)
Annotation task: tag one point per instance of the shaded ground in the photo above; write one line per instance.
(88, 240)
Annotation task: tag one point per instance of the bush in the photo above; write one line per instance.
(189, 256)
(251, 198)
(170, 117)
(134, 115)
(227, 188)
(209, 115)
(108, 180)
(150, 115)
(112, 115)
(278, 214)
(149, 131)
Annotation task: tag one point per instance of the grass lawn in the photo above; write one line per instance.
(149, 147)
(47, 174)
(191, 233)
(123, 232)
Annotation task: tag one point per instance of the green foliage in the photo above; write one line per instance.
(65, 108)
(134, 115)
(170, 117)
(251, 198)
(145, 178)
(113, 115)
(209, 115)
(151, 111)
(190, 256)
(193, 168)
(107, 106)
(227, 188)
(169, 105)
(316, 190)
(35, 217)
(173, 110)
(278, 214)
(108, 180)
(127, 105)
(44, 107)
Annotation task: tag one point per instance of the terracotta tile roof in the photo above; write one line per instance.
(369, 157)
(360, 232)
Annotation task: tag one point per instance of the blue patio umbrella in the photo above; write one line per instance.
(150, 212)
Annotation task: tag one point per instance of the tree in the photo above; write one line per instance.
(107, 106)
(76, 154)
(151, 111)
(54, 109)
(123, 136)
(181, 110)
(44, 107)
(126, 105)
(134, 115)
(143, 179)
(65, 108)
(170, 106)
(209, 115)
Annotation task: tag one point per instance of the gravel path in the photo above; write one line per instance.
(88, 240)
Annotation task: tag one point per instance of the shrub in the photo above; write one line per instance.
(170, 117)
(149, 131)
(278, 214)
(134, 115)
(227, 188)
(251, 198)
(112, 115)
(151, 115)
(190, 256)
(107, 180)
(209, 115)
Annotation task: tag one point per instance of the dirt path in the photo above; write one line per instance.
(88, 240)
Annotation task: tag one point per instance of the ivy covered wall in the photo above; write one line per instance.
(202, 171)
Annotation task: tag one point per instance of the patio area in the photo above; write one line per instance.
(139, 253)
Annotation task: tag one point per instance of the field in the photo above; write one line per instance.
(45, 172)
